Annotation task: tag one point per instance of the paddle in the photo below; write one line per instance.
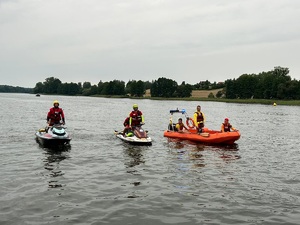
(204, 134)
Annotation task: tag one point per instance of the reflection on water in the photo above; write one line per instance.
(228, 153)
(197, 153)
(52, 160)
(104, 181)
(135, 155)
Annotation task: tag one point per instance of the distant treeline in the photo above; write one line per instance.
(274, 84)
(11, 89)
(162, 87)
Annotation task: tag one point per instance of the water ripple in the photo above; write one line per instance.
(101, 180)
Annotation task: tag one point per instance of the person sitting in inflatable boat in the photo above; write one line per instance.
(226, 126)
(180, 126)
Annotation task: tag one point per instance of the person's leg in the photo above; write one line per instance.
(200, 126)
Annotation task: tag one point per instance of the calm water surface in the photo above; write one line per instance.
(101, 180)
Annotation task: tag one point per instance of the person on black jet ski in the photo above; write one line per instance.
(55, 115)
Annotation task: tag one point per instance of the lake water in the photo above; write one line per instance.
(101, 180)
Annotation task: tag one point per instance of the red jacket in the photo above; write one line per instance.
(126, 122)
(55, 115)
(136, 117)
(227, 127)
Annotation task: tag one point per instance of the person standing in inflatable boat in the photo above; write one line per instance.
(199, 119)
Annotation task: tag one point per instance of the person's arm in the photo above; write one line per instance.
(49, 117)
(130, 119)
(222, 128)
(143, 121)
(185, 127)
(232, 128)
(195, 119)
(203, 117)
(63, 117)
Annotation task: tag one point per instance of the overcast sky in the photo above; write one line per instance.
(183, 40)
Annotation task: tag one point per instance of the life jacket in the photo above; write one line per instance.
(136, 117)
(180, 126)
(55, 115)
(200, 117)
(227, 127)
(126, 122)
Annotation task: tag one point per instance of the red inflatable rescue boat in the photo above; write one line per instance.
(208, 136)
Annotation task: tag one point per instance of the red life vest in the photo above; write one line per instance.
(136, 117)
(180, 126)
(227, 127)
(200, 117)
(126, 122)
(55, 115)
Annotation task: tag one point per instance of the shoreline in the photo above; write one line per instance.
(241, 101)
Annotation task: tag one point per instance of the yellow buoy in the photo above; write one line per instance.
(274, 104)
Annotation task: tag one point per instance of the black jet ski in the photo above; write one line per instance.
(53, 135)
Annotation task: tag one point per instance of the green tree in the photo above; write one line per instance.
(246, 85)
(118, 87)
(219, 94)
(115, 87)
(163, 87)
(211, 95)
(39, 88)
(135, 88)
(69, 89)
(147, 85)
(12, 89)
(203, 85)
(281, 76)
(289, 90)
(128, 87)
(86, 85)
(102, 88)
(230, 89)
(51, 85)
(184, 90)
(266, 85)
